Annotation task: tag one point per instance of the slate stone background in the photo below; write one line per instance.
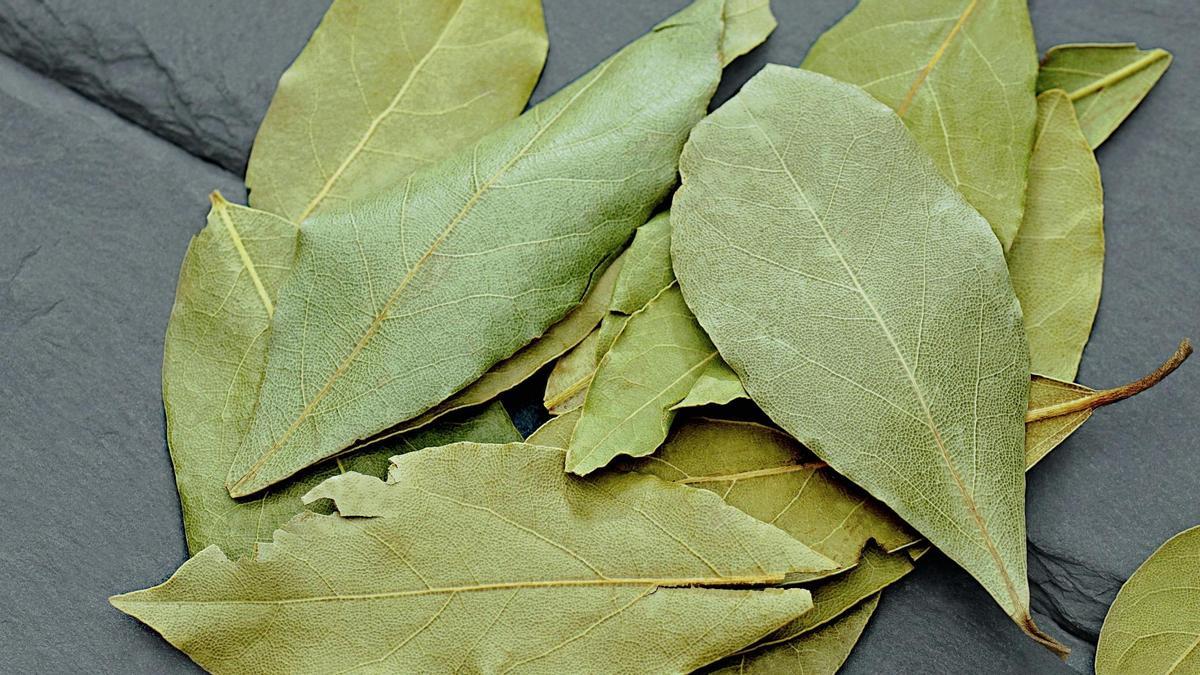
(117, 117)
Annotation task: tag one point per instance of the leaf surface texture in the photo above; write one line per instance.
(1057, 260)
(1104, 81)
(898, 309)
(961, 74)
(451, 272)
(1153, 626)
(558, 571)
(384, 88)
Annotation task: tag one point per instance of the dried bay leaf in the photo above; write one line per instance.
(747, 24)
(1057, 259)
(1057, 409)
(451, 272)
(1153, 626)
(898, 310)
(1104, 81)
(213, 357)
(556, 432)
(961, 74)
(558, 571)
(650, 367)
(717, 385)
(645, 272)
(385, 88)
(819, 652)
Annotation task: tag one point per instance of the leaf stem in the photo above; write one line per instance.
(1118, 75)
(1107, 396)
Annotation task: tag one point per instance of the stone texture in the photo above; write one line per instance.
(198, 73)
(98, 214)
(96, 218)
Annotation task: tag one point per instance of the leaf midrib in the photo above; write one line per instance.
(659, 582)
(366, 137)
(968, 499)
(923, 74)
(382, 313)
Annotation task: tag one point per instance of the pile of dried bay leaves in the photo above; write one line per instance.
(796, 343)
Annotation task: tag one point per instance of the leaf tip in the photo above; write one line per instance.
(1025, 621)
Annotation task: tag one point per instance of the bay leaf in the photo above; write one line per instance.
(384, 88)
(961, 74)
(1153, 626)
(575, 327)
(1104, 81)
(898, 311)
(819, 652)
(717, 385)
(556, 431)
(1057, 408)
(213, 356)
(837, 595)
(451, 272)
(649, 368)
(1057, 259)
(645, 272)
(567, 383)
(557, 572)
(747, 24)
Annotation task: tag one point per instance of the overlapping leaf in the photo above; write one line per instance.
(717, 385)
(961, 74)
(384, 88)
(1104, 81)
(558, 570)
(1057, 259)
(820, 652)
(883, 290)
(212, 366)
(452, 272)
(649, 368)
(645, 272)
(1153, 626)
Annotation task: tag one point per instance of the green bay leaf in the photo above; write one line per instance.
(961, 74)
(717, 385)
(650, 367)
(884, 291)
(1104, 81)
(451, 272)
(1153, 626)
(1057, 259)
(385, 88)
(213, 358)
(819, 652)
(558, 570)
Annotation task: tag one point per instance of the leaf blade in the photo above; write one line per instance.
(1057, 259)
(360, 110)
(352, 385)
(597, 565)
(1106, 82)
(735, 173)
(917, 58)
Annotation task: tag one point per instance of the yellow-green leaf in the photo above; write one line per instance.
(212, 366)
(567, 384)
(386, 87)
(747, 24)
(819, 652)
(884, 291)
(1057, 409)
(650, 367)
(558, 570)
(396, 303)
(1153, 626)
(1057, 259)
(717, 385)
(1104, 81)
(961, 74)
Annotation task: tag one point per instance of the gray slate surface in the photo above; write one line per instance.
(99, 211)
